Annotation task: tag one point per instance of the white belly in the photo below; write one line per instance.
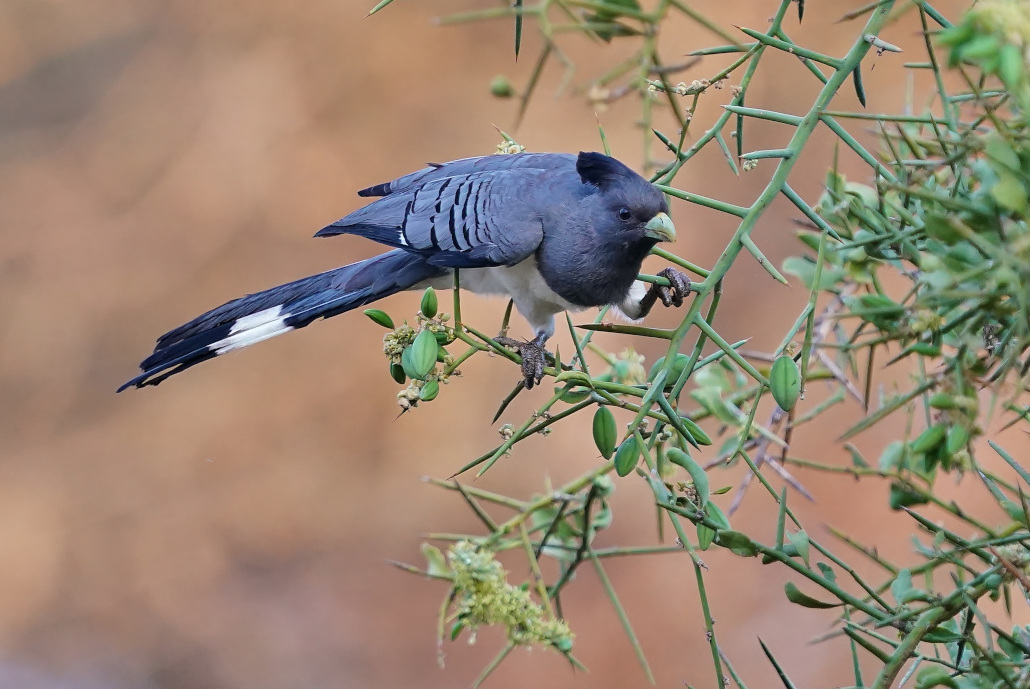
(537, 302)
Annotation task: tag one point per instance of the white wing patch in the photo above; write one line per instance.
(254, 328)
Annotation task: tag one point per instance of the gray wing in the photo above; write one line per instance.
(464, 166)
(470, 213)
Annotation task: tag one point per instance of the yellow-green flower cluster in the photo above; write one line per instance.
(401, 337)
(423, 382)
(628, 368)
(395, 342)
(682, 88)
(1017, 554)
(484, 597)
(1010, 18)
(437, 324)
(409, 396)
(509, 146)
(995, 35)
(923, 323)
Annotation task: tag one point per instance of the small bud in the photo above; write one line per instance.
(929, 439)
(785, 382)
(429, 391)
(420, 358)
(627, 456)
(429, 303)
(957, 439)
(605, 433)
(397, 373)
(604, 486)
(942, 400)
(380, 317)
(678, 363)
(501, 87)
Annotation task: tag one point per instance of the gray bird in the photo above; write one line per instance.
(553, 231)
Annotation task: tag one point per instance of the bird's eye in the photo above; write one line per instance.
(625, 215)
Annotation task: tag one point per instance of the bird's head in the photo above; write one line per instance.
(629, 209)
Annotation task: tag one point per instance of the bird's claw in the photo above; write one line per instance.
(533, 357)
(674, 295)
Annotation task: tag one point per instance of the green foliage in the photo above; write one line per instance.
(923, 261)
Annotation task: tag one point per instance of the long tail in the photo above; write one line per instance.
(257, 317)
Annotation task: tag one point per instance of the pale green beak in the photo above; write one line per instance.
(660, 227)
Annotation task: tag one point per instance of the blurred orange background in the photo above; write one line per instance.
(232, 528)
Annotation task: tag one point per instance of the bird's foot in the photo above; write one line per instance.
(533, 357)
(674, 295)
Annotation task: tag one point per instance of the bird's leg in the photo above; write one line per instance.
(670, 296)
(533, 356)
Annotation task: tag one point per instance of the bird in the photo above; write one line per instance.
(553, 232)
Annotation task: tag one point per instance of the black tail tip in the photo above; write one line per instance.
(137, 382)
(330, 231)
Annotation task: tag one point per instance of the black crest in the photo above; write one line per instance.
(599, 169)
